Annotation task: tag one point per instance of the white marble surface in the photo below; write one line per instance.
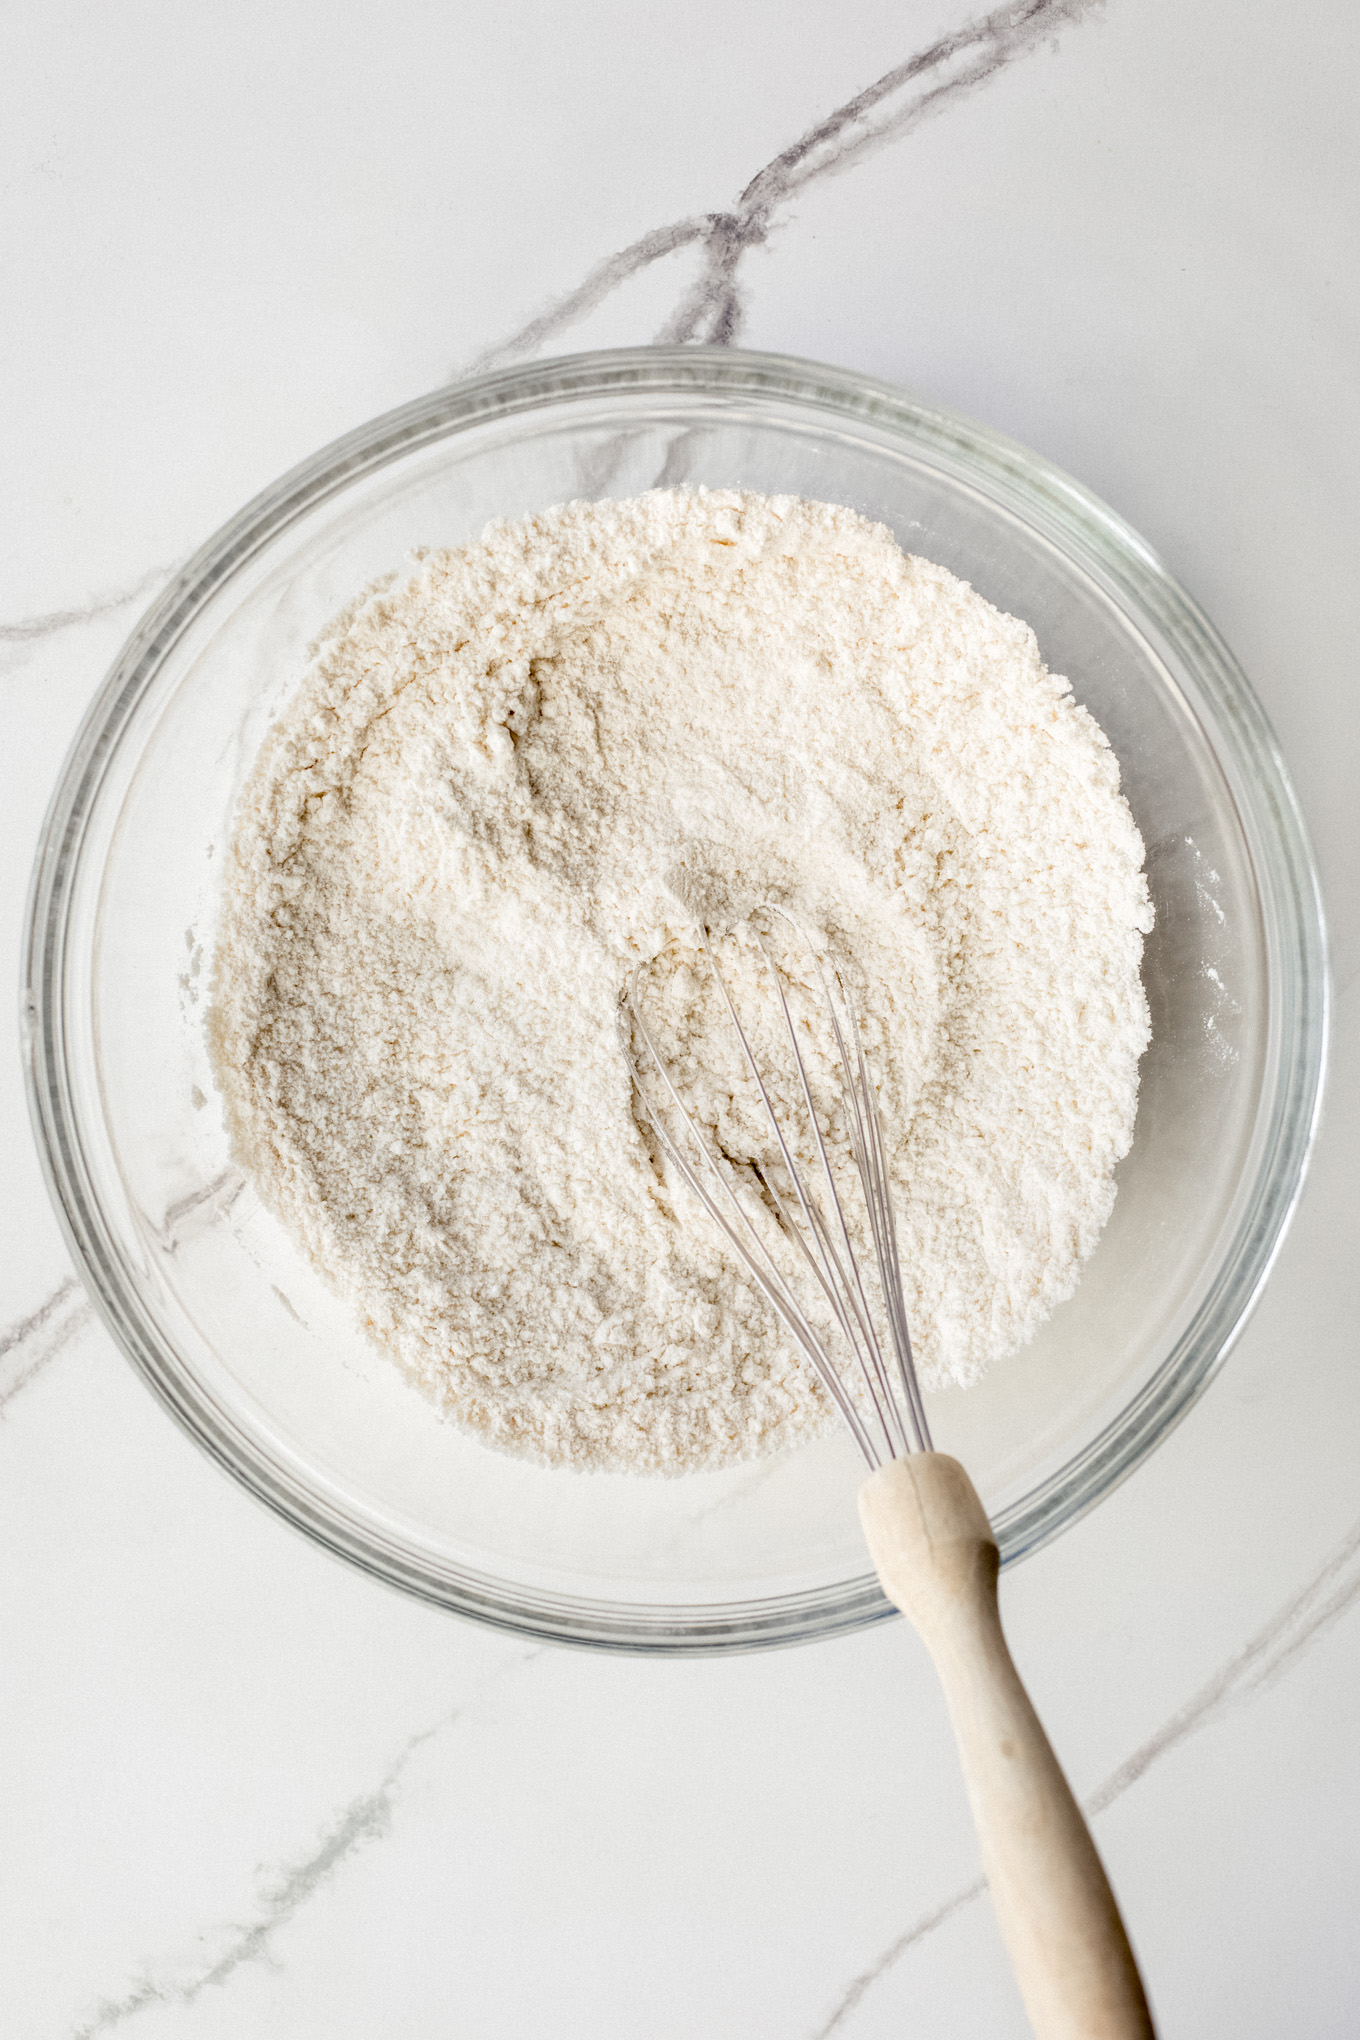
(250, 1793)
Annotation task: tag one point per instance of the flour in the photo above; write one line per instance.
(525, 766)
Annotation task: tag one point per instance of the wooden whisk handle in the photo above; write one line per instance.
(929, 1537)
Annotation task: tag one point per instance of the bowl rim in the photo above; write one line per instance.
(1044, 498)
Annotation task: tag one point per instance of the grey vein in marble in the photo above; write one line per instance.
(1270, 1655)
(713, 310)
(29, 629)
(211, 1201)
(28, 1346)
(927, 1924)
(366, 1818)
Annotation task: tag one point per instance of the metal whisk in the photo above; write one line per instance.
(926, 1528)
(822, 1237)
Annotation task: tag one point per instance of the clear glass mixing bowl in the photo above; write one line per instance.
(243, 1342)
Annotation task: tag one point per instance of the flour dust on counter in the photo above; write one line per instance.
(525, 765)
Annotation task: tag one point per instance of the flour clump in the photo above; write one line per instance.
(527, 764)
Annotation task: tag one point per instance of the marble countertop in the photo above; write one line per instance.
(250, 1792)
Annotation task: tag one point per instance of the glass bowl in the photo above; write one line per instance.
(244, 1343)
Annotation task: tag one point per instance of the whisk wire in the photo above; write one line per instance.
(834, 1267)
(756, 1257)
(845, 1294)
(884, 1401)
(866, 1138)
(826, 1252)
(890, 1262)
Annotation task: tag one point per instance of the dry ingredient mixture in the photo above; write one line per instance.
(525, 765)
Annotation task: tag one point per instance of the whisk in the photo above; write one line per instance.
(927, 1531)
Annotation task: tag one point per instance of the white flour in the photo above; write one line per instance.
(524, 766)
